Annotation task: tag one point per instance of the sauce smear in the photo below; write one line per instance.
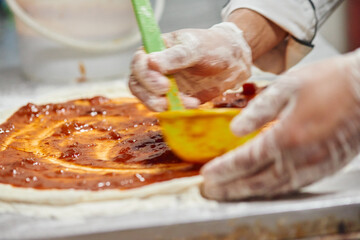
(93, 144)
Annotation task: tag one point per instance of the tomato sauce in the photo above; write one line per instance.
(88, 144)
(92, 144)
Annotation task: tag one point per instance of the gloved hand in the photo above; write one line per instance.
(205, 63)
(317, 132)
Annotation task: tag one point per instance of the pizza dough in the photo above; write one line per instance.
(86, 147)
(180, 192)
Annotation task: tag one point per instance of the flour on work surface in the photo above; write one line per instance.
(178, 194)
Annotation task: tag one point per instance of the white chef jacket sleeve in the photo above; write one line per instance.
(300, 18)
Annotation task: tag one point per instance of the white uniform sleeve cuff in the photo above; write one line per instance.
(297, 17)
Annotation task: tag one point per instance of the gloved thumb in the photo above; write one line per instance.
(265, 107)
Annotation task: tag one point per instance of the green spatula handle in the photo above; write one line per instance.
(153, 42)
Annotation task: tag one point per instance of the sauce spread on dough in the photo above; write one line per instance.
(88, 144)
(91, 144)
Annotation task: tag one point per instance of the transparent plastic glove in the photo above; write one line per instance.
(205, 63)
(317, 133)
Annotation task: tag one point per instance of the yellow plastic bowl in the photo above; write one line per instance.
(200, 135)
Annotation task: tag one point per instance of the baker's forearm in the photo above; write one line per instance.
(261, 34)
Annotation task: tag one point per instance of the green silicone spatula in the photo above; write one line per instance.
(153, 42)
(196, 135)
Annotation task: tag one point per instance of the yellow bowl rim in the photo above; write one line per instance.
(190, 113)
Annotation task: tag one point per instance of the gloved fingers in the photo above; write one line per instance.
(182, 52)
(306, 174)
(304, 145)
(260, 184)
(299, 167)
(304, 148)
(199, 87)
(158, 103)
(171, 38)
(173, 59)
(189, 102)
(265, 107)
(244, 160)
(271, 180)
(153, 81)
(232, 33)
(152, 101)
(194, 85)
(310, 163)
(235, 79)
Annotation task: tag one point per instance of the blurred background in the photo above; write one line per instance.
(40, 58)
(33, 68)
(342, 29)
(99, 20)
